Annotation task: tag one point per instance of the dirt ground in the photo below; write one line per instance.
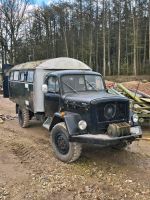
(28, 169)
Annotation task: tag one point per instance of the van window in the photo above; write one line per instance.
(11, 76)
(22, 76)
(16, 75)
(30, 76)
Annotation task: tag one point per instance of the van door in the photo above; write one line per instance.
(5, 87)
(5, 73)
(28, 87)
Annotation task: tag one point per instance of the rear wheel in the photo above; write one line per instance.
(63, 149)
(23, 116)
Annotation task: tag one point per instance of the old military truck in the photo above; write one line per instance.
(74, 105)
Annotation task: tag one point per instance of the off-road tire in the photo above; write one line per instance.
(23, 117)
(74, 149)
(121, 145)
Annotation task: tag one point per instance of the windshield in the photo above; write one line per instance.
(80, 83)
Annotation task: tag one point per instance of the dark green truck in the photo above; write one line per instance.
(73, 104)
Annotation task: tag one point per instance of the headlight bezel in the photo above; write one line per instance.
(106, 111)
(82, 125)
(135, 118)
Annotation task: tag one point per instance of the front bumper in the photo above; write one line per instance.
(106, 140)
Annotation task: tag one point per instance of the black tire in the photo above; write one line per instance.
(24, 117)
(31, 115)
(121, 145)
(63, 149)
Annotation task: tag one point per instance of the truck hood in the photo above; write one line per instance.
(92, 97)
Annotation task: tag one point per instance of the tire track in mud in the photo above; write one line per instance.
(33, 154)
(24, 153)
(38, 159)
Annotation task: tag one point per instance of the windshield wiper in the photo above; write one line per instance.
(70, 87)
(91, 85)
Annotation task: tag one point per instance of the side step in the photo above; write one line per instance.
(47, 123)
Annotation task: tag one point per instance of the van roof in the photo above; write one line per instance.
(73, 72)
(54, 64)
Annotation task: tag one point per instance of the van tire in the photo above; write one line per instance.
(24, 117)
(63, 149)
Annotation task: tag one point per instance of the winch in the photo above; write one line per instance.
(118, 129)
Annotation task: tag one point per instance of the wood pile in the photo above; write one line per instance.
(139, 95)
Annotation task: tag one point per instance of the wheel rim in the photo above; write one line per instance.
(62, 143)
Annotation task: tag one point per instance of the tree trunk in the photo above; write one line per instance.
(108, 45)
(145, 42)
(149, 32)
(90, 46)
(119, 38)
(127, 59)
(134, 48)
(104, 41)
(66, 44)
(97, 36)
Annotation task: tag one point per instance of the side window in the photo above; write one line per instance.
(57, 87)
(16, 75)
(22, 76)
(53, 85)
(11, 77)
(30, 76)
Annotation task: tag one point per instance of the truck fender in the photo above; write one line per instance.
(71, 120)
(55, 120)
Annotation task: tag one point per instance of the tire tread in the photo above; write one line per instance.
(26, 118)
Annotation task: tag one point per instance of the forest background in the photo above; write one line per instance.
(111, 36)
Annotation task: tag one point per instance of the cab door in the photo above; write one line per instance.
(52, 97)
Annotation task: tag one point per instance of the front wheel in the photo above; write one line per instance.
(122, 145)
(64, 150)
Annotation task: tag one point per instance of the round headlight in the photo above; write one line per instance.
(141, 120)
(135, 118)
(82, 125)
(109, 111)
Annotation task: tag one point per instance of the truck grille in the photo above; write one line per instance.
(112, 111)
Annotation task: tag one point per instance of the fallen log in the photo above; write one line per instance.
(147, 100)
(129, 93)
(113, 91)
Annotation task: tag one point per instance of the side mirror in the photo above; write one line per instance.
(44, 88)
